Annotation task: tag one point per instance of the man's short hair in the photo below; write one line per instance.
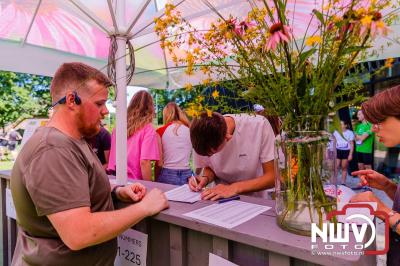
(207, 133)
(382, 106)
(75, 76)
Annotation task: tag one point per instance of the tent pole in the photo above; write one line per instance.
(121, 123)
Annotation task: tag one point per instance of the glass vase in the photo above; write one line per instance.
(305, 163)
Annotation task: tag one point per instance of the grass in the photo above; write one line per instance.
(6, 165)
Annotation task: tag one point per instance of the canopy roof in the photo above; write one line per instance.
(36, 36)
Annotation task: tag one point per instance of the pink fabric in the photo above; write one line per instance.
(142, 145)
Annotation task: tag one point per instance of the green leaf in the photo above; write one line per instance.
(305, 55)
(353, 49)
(336, 124)
(319, 16)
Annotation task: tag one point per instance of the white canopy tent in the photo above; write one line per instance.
(37, 36)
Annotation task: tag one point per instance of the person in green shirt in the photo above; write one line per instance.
(364, 141)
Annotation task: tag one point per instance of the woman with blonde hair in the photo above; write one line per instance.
(142, 146)
(175, 145)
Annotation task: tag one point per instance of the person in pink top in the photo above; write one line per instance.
(142, 138)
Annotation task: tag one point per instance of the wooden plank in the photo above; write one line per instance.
(278, 259)
(4, 227)
(12, 237)
(178, 245)
(199, 246)
(220, 247)
(159, 243)
(242, 254)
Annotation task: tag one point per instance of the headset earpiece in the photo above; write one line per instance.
(78, 100)
(63, 100)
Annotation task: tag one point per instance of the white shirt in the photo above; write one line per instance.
(176, 147)
(241, 158)
(344, 142)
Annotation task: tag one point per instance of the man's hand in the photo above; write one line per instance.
(154, 202)
(370, 197)
(219, 191)
(131, 193)
(372, 179)
(198, 184)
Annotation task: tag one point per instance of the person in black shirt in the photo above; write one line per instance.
(101, 144)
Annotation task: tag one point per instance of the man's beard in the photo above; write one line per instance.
(87, 131)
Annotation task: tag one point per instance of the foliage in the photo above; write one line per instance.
(23, 96)
(292, 72)
(182, 97)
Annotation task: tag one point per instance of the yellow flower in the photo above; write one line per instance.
(327, 7)
(188, 87)
(206, 81)
(204, 69)
(360, 12)
(313, 40)
(366, 21)
(389, 62)
(215, 94)
(209, 112)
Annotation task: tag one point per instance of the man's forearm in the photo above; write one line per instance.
(256, 184)
(267, 180)
(390, 189)
(98, 227)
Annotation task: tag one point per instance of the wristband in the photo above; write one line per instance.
(114, 195)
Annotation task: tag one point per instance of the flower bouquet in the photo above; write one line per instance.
(299, 62)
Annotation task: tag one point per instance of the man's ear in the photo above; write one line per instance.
(70, 99)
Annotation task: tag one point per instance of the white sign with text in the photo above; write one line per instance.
(132, 249)
(10, 208)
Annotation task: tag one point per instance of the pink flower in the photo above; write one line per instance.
(374, 24)
(243, 26)
(279, 34)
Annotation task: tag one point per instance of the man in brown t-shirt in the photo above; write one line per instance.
(60, 190)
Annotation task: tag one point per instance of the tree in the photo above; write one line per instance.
(22, 96)
(161, 97)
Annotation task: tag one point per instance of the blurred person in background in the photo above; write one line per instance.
(364, 138)
(143, 142)
(176, 146)
(101, 145)
(344, 148)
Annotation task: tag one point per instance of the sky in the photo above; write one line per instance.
(131, 90)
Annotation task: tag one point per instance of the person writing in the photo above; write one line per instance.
(235, 151)
(383, 111)
(61, 192)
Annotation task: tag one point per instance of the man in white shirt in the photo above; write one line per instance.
(235, 151)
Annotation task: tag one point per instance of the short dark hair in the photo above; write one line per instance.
(207, 132)
(382, 105)
(75, 75)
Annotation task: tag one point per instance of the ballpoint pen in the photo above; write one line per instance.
(236, 197)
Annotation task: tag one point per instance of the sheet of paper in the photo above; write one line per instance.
(183, 194)
(214, 260)
(228, 214)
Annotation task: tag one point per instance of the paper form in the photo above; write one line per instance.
(183, 194)
(229, 214)
(214, 260)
